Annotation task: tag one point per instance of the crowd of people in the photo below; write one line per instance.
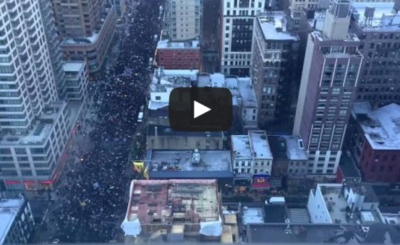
(92, 198)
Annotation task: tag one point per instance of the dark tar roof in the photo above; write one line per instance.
(348, 168)
(275, 213)
(364, 189)
(278, 147)
(159, 113)
(168, 131)
(320, 233)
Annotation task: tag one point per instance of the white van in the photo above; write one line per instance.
(140, 117)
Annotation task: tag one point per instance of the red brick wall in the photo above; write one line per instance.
(379, 165)
(179, 58)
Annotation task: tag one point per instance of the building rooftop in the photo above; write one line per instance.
(241, 147)
(41, 128)
(337, 205)
(259, 144)
(164, 203)
(255, 144)
(167, 44)
(376, 16)
(390, 215)
(164, 81)
(90, 39)
(189, 164)
(73, 66)
(275, 213)
(295, 148)
(349, 168)
(252, 215)
(319, 234)
(364, 189)
(9, 209)
(298, 215)
(381, 127)
(168, 131)
(247, 92)
(273, 26)
(335, 202)
(278, 147)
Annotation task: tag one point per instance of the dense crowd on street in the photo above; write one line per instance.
(92, 197)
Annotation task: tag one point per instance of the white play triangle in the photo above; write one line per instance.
(199, 109)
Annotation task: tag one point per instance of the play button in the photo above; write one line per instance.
(199, 109)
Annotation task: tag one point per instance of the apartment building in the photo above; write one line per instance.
(275, 70)
(35, 126)
(184, 19)
(87, 30)
(328, 89)
(236, 34)
(378, 26)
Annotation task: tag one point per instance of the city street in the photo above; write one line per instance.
(89, 204)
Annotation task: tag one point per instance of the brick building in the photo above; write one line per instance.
(377, 25)
(374, 141)
(179, 55)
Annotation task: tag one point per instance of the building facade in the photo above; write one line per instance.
(120, 7)
(26, 77)
(54, 44)
(236, 34)
(251, 153)
(92, 49)
(76, 81)
(290, 157)
(35, 125)
(328, 85)
(164, 138)
(374, 141)
(17, 221)
(179, 55)
(275, 72)
(34, 160)
(77, 19)
(378, 27)
(184, 19)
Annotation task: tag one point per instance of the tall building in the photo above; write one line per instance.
(54, 44)
(27, 81)
(276, 74)
(328, 85)
(35, 125)
(80, 18)
(87, 29)
(120, 7)
(184, 19)
(236, 34)
(378, 26)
